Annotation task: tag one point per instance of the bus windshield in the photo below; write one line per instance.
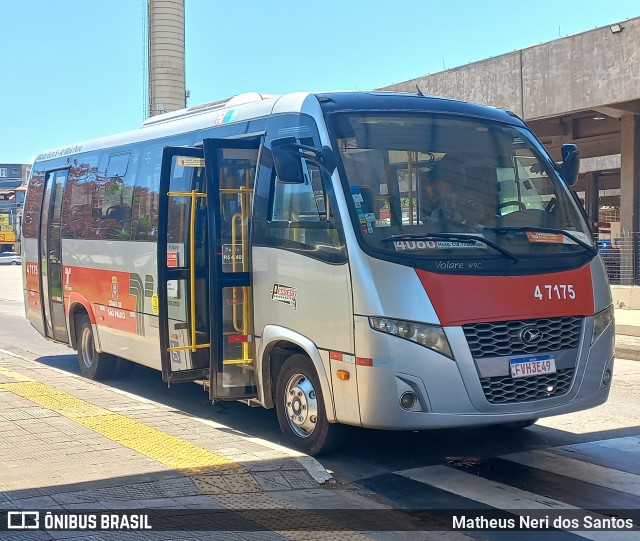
(423, 186)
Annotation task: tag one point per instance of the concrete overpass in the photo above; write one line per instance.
(583, 89)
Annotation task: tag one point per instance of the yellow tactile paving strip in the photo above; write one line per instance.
(174, 453)
(171, 451)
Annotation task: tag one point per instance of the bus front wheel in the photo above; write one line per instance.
(93, 365)
(301, 409)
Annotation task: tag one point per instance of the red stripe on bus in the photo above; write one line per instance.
(461, 299)
(363, 361)
(75, 298)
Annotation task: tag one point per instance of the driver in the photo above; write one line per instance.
(442, 197)
(438, 201)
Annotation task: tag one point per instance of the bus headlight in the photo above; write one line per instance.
(601, 321)
(429, 336)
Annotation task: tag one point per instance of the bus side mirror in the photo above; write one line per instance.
(288, 155)
(287, 161)
(327, 160)
(570, 166)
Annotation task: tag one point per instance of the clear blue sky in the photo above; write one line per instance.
(73, 69)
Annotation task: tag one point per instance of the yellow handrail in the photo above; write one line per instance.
(410, 189)
(193, 195)
(242, 326)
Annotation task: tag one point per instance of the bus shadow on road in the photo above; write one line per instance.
(188, 398)
(362, 449)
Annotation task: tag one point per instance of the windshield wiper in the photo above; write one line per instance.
(453, 236)
(524, 229)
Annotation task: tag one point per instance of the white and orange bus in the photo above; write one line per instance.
(375, 259)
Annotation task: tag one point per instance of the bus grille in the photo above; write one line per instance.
(502, 338)
(505, 389)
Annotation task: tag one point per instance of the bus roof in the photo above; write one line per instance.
(176, 122)
(255, 105)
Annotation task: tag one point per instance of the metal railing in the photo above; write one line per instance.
(621, 257)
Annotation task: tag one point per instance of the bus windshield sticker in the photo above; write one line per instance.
(356, 193)
(284, 294)
(172, 259)
(536, 236)
(414, 245)
(174, 343)
(172, 289)
(231, 255)
(189, 161)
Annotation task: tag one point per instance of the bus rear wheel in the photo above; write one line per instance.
(93, 365)
(301, 409)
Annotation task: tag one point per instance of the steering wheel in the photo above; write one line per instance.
(518, 204)
(475, 209)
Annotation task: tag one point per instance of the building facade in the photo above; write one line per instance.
(13, 180)
(582, 89)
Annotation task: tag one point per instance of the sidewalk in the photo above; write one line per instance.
(68, 444)
(628, 334)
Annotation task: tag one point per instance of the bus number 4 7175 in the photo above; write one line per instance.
(550, 292)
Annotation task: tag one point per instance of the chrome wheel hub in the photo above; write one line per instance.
(301, 405)
(88, 351)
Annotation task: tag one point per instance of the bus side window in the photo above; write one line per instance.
(303, 218)
(144, 216)
(298, 202)
(113, 195)
(78, 219)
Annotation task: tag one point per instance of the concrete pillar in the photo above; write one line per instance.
(591, 194)
(166, 56)
(629, 196)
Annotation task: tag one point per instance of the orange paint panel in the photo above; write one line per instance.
(32, 290)
(461, 299)
(114, 318)
(98, 286)
(32, 274)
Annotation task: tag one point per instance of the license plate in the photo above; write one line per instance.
(532, 366)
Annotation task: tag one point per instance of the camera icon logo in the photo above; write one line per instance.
(23, 520)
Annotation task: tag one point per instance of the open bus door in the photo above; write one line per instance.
(204, 284)
(50, 275)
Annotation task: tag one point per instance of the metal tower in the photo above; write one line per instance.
(165, 60)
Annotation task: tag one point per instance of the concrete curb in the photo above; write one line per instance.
(627, 352)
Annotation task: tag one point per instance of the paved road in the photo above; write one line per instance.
(585, 460)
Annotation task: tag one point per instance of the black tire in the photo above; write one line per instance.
(14, 263)
(310, 431)
(517, 425)
(93, 365)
